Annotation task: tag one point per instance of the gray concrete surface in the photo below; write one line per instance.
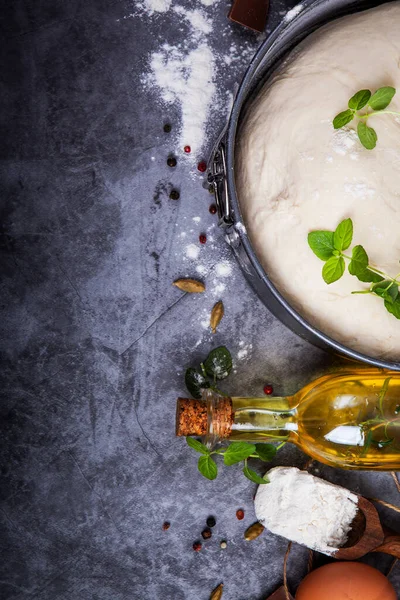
(95, 339)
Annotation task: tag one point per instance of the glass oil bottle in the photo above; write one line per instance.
(349, 420)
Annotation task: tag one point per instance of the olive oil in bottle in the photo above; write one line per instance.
(349, 420)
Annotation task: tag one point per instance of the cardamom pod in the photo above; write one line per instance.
(216, 315)
(253, 531)
(217, 593)
(190, 285)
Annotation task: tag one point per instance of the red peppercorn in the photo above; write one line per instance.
(213, 209)
(240, 514)
(166, 525)
(202, 166)
(197, 546)
(187, 149)
(268, 390)
(202, 238)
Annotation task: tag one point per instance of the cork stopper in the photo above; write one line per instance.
(191, 417)
(200, 417)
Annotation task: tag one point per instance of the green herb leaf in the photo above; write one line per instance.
(333, 269)
(321, 243)
(382, 443)
(195, 382)
(218, 363)
(266, 452)
(367, 443)
(393, 307)
(367, 135)
(207, 467)
(383, 393)
(369, 276)
(343, 118)
(358, 266)
(196, 445)
(238, 451)
(359, 100)
(386, 289)
(382, 98)
(343, 235)
(253, 476)
(359, 261)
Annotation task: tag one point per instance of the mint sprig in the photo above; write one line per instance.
(365, 99)
(233, 454)
(329, 246)
(216, 366)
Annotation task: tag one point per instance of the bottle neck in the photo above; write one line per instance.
(249, 419)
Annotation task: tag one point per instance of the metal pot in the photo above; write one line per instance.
(313, 15)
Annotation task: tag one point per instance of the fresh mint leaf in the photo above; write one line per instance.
(196, 445)
(343, 235)
(238, 451)
(266, 452)
(195, 382)
(359, 100)
(369, 276)
(333, 269)
(359, 261)
(218, 363)
(393, 307)
(343, 118)
(253, 476)
(207, 467)
(367, 135)
(386, 289)
(321, 243)
(382, 98)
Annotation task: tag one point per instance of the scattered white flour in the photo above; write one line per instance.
(153, 6)
(192, 251)
(317, 514)
(186, 78)
(359, 190)
(291, 14)
(197, 19)
(245, 350)
(223, 269)
(201, 269)
(197, 219)
(218, 288)
(344, 140)
(209, 2)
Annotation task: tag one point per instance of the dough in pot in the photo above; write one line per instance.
(296, 174)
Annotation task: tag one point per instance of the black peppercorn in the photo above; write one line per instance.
(174, 195)
(171, 161)
(211, 522)
(167, 127)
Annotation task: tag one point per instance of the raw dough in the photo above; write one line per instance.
(297, 174)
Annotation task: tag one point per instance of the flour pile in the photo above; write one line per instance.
(306, 509)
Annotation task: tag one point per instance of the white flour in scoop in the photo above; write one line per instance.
(306, 509)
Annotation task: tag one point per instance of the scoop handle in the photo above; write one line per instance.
(390, 545)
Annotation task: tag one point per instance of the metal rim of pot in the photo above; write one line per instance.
(221, 175)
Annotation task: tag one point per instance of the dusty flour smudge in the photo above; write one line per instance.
(186, 78)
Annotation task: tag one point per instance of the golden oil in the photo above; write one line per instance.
(348, 420)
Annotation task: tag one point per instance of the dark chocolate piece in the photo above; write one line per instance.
(250, 13)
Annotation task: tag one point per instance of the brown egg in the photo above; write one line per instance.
(346, 581)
